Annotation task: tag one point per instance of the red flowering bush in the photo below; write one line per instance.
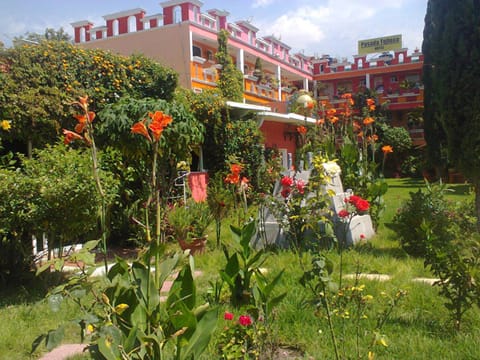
(240, 339)
(354, 205)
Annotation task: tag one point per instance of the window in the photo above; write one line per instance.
(177, 14)
(132, 24)
(210, 55)
(196, 51)
(82, 34)
(115, 27)
(393, 79)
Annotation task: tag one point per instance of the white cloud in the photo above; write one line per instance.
(336, 25)
(262, 3)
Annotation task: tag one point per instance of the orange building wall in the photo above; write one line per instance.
(275, 136)
(177, 52)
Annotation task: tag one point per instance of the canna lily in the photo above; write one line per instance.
(236, 169)
(367, 121)
(302, 130)
(159, 122)
(83, 120)
(70, 136)
(371, 104)
(140, 128)
(387, 149)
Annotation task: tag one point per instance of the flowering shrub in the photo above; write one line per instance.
(242, 338)
(303, 209)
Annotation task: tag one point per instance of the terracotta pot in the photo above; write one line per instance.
(196, 246)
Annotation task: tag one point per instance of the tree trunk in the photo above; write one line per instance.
(476, 184)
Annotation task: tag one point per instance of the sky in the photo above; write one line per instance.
(313, 27)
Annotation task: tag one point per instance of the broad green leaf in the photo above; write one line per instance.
(54, 338)
(201, 336)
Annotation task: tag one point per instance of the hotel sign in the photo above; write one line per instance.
(386, 43)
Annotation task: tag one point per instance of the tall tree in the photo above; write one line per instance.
(452, 82)
(230, 82)
(39, 82)
(49, 34)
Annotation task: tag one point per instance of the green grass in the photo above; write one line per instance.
(419, 327)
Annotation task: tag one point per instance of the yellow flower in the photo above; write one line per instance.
(120, 308)
(90, 328)
(5, 125)
(371, 355)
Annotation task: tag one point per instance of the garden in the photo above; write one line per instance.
(92, 151)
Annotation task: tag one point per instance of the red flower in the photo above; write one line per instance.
(362, 237)
(228, 315)
(232, 178)
(70, 136)
(343, 213)
(236, 168)
(302, 130)
(362, 205)
(285, 192)
(245, 320)
(286, 181)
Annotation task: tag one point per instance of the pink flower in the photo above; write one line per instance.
(245, 320)
(228, 315)
(300, 186)
(343, 213)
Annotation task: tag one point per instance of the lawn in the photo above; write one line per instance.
(418, 327)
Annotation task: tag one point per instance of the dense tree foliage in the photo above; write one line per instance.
(49, 34)
(452, 87)
(41, 81)
(230, 82)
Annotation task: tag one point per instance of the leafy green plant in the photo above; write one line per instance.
(243, 273)
(457, 265)
(426, 205)
(347, 309)
(128, 319)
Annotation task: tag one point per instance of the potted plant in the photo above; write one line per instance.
(188, 224)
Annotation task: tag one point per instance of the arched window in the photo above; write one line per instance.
(132, 23)
(115, 27)
(401, 58)
(360, 63)
(82, 34)
(146, 25)
(177, 14)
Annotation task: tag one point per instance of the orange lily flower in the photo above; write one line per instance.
(159, 122)
(302, 130)
(321, 121)
(333, 119)
(236, 169)
(70, 136)
(387, 149)
(368, 121)
(82, 121)
(140, 128)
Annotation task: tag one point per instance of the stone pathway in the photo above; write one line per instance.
(64, 352)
